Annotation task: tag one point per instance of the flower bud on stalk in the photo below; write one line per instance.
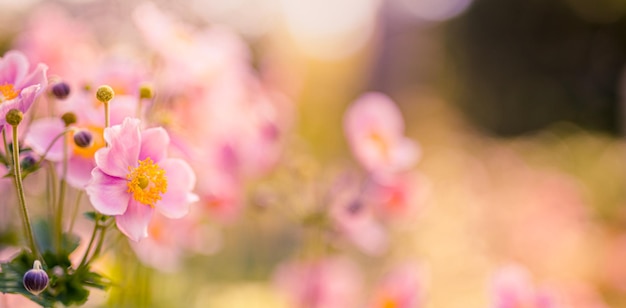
(61, 90)
(83, 138)
(69, 118)
(36, 279)
(105, 94)
(14, 117)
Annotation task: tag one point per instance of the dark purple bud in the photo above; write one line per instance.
(61, 90)
(36, 279)
(83, 138)
(27, 162)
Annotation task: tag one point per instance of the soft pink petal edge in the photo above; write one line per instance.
(134, 222)
(40, 135)
(107, 194)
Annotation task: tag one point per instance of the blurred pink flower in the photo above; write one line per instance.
(325, 283)
(191, 57)
(66, 45)
(403, 287)
(375, 131)
(512, 288)
(90, 117)
(133, 177)
(19, 87)
(399, 197)
(169, 241)
(354, 219)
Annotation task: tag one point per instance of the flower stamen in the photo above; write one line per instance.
(8, 92)
(147, 182)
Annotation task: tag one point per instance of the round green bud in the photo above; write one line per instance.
(14, 117)
(105, 93)
(146, 91)
(69, 118)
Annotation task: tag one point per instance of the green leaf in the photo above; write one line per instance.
(67, 286)
(90, 215)
(44, 236)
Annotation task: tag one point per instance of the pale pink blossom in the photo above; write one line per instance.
(171, 241)
(134, 177)
(65, 44)
(19, 85)
(403, 287)
(354, 219)
(512, 287)
(399, 197)
(324, 283)
(90, 117)
(374, 128)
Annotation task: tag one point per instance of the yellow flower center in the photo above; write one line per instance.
(381, 143)
(98, 142)
(8, 92)
(147, 182)
(389, 303)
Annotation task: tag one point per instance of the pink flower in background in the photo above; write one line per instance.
(399, 197)
(133, 177)
(403, 287)
(375, 131)
(19, 87)
(170, 241)
(354, 219)
(90, 117)
(326, 283)
(65, 44)
(513, 288)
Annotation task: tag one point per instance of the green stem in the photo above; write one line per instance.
(96, 226)
(61, 201)
(75, 213)
(45, 153)
(4, 139)
(17, 179)
(96, 252)
(107, 115)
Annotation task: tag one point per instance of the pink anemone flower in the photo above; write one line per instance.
(324, 283)
(375, 131)
(133, 177)
(403, 287)
(513, 287)
(80, 160)
(18, 87)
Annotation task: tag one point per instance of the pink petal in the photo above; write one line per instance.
(180, 181)
(108, 194)
(13, 67)
(134, 222)
(22, 102)
(373, 110)
(40, 135)
(123, 151)
(36, 77)
(122, 107)
(79, 171)
(154, 143)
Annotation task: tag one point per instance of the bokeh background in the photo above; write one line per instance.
(517, 106)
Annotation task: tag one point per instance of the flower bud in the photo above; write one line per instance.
(14, 117)
(28, 162)
(69, 118)
(105, 94)
(83, 138)
(61, 90)
(146, 91)
(36, 279)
